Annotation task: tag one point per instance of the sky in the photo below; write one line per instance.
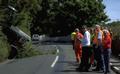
(112, 9)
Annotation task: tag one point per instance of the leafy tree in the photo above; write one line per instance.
(26, 9)
(57, 17)
(114, 23)
(62, 16)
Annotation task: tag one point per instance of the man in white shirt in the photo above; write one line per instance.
(86, 38)
(86, 51)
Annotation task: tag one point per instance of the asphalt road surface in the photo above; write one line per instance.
(61, 63)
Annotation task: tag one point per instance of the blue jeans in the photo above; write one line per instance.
(106, 59)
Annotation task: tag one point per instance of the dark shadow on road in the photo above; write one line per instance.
(74, 70)
(67, 71)
(116, 65)
(72, 67)
(115, 62)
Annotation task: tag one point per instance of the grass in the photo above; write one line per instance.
(116, 32)
(27, 51)
(4, 47)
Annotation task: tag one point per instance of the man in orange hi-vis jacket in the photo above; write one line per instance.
(78, 45)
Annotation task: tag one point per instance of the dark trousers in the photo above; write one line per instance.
(73, 43)
(106, 59)
(98, 57)
(86, 54)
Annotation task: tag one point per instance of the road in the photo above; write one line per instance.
(61, 63)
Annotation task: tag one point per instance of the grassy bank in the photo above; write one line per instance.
(27, 50)
(4, 47)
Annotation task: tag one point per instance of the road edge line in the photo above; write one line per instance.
(58, 51)
(115, 69)
(56, 59)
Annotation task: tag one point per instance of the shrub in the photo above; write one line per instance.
(4, 47)
(27, 51)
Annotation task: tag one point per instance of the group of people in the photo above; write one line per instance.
(92, 46)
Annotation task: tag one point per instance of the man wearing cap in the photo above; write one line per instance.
(78, 45)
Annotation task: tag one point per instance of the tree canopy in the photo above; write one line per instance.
(56, 17)
(60, 17)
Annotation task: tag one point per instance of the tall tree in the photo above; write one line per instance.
(62, 16)
(57, 17)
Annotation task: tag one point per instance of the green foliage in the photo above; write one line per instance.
(28, 51)
(24, 21)
(62, 16)
(115, 27)
(114, 23)
(26, 9)
(4, 47)
(54, 17)
(2, 16)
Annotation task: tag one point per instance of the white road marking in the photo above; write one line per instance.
(56, 59)
(57, 50)
(116, 68)
(110, 63)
